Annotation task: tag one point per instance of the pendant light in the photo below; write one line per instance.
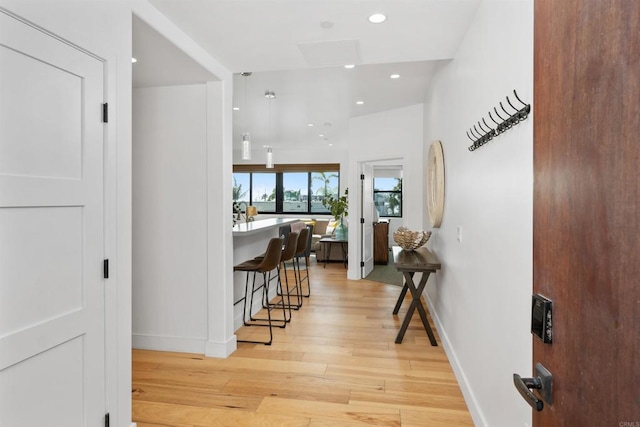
(269, 164)
(246, 137)
(269, 95)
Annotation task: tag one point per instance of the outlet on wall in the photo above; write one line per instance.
(459, 234)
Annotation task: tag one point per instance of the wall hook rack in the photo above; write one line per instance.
(486, 133)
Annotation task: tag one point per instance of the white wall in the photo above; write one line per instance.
(481, 299)
(394, 134)
(169, 218)
(215, 200)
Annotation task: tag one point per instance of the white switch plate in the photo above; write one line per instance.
(459, 234)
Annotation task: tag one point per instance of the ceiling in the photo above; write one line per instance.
(298, 49)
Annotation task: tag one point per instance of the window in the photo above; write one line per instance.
(387, 196)
(241, 186)
(322, 185)
(263, 191)
(295, 192)
(286, 188)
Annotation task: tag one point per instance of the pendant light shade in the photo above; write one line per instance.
(246, 137)
(269, 164)
(270, 95)
(246, 146)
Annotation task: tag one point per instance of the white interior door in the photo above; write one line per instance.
(52, 367)
(367, 208)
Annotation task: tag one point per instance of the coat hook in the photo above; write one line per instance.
(490, 132)
(482, 132)
(494, 120)
(518, 98)
(509, 101)
(472, 140)
(498, 114)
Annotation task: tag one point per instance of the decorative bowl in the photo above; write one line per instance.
(410, 240)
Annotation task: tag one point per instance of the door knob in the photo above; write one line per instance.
(523, 385)
(542, 381)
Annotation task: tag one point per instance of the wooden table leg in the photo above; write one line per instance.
(327, 253)
(416, 303)
(401, 297)
(344, 254)
(421, 311)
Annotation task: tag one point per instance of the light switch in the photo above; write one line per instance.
(459, 234)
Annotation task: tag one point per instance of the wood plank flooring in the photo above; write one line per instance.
(335, 365)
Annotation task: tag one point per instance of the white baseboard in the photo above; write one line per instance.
(467, 393)
(221, 349)
(165, 343)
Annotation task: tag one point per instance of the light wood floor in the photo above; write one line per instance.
(336, 364)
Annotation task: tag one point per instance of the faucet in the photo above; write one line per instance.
(237, 208)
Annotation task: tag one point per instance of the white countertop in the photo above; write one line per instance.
(253, 227)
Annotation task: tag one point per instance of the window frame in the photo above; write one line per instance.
(279, 171)
(390, 192)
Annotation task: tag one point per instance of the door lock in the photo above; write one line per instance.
(543, 382)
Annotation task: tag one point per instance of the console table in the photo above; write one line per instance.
(330, 241)
(410, 262)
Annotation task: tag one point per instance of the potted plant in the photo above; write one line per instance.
(338, 206)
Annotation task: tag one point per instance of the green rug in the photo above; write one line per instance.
(386, 274)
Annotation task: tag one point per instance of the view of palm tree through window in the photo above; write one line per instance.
(387, 196)
(285, 192)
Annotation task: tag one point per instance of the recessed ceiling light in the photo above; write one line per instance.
(394, 76)
(377, 18)
(236, 108)
(310, 125)
(349, 66)
(321, 135)
(133, 60)
(359, 102)
(330, 145)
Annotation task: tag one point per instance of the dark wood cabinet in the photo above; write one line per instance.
(381, 243)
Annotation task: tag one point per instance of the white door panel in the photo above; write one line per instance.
(367, 214)
(51, 231)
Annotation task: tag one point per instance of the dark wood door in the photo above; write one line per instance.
(586, 244)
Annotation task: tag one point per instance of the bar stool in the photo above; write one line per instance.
(301, 252)
(288, 252)
(265, 265)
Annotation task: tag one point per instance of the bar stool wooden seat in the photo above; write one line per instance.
(264, 265)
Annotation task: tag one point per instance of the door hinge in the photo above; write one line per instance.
(105, 112)
(106, 420)
(361, 220)
(105, 269)
(361, 263)
(362, 176)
